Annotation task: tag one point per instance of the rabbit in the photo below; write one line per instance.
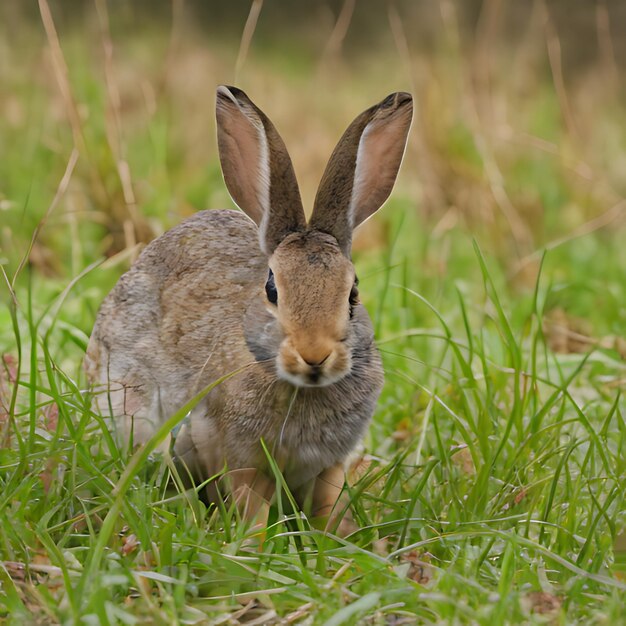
(262, 293)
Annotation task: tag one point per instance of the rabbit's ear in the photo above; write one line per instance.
(363, 168)
(257, 168)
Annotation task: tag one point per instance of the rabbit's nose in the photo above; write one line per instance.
(316, 365)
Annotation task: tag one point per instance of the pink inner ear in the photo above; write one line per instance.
(245, 159)
(379, 155)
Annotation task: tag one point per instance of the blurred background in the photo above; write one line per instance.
(517, 141)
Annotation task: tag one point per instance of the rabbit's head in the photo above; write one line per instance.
(311, 286)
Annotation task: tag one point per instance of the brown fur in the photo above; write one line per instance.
(193, 308)
(389, 123)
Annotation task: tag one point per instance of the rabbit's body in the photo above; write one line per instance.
(272, 300)
(195, 298)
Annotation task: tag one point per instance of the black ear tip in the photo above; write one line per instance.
(235, 91)
(227, 92)
(397, 100)
(402, 97)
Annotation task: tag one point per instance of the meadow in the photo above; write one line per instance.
(491, 487)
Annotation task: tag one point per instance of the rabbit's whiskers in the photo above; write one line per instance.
(269, 388)
(198, 386)
(239, 370)
(282, 430)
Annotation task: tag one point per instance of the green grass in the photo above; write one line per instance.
(495, 467)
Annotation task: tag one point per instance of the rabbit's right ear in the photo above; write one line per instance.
(363, 168)
(257, 168)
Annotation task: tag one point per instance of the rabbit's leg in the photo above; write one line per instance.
(328, 505)
(252, 492)
(127, 410)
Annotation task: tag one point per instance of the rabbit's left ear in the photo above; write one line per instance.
(257, 168)
(362, 169)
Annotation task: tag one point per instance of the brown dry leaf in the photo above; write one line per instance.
(8, 376)
(144, 585)
(148, 559)
(299, 613)
(45, 260)
(41, 558)
(381, 546)
(404, 430)
(51, 417)
(462, 459)
(420, 569)
(255, 612)
(46, 477)
(566, 334)
(542, 603)
(520, 495)
(619, 345)
(129, 544)
(10, 367)
(46, 573)
(17, 571)
(526, 273)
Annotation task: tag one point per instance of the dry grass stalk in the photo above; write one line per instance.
(246, 36)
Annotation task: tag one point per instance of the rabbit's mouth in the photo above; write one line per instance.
(323, 371)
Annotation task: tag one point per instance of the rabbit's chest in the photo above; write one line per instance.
(303, 460)
(305, 430)
(316, 437)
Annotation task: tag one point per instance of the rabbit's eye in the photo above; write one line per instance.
(354, 296)
(270, 289)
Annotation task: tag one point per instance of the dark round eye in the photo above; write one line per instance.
(270, 289)
(354, 296)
